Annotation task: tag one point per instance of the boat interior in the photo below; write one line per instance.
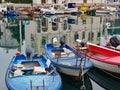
(99, 52)
(29, 68)
(64, 52)
(67, 57)
(102, 50)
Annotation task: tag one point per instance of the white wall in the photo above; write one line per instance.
(69, 1)
(88, 1)
(36, 1)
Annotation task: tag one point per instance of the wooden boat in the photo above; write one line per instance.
(67, 60)
(32, 74)
(102, 57)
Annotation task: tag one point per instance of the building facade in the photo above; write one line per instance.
(67, 1)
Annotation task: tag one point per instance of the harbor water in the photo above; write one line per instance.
(17, 33)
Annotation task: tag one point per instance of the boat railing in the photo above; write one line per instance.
(43, 79)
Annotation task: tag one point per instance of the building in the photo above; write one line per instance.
(67, 1)
(42, 30)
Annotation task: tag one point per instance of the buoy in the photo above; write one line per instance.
(17, 53)
(83, 7)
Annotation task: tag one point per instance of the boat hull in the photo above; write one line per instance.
(112, 68)
(71, 72)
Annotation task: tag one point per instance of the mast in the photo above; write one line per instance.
(20, 35)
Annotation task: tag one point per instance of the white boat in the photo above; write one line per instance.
(67, 60)
(52, 10)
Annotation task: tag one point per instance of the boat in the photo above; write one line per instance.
(26, 11)
(102, 57)
(67, 60)
(11, 13)
(36, 73)
(52, 10)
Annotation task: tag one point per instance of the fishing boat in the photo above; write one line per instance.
(36, 73)
(67, 60)
(11, 13)
(102, 57)
(52, 10)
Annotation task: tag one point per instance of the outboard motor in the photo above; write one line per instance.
(55, 40)
(114, 41)
(83, 43)
(28, 52)
(62, 41)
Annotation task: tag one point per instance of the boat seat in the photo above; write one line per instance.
(18, 69)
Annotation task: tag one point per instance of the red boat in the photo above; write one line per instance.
(102, 57)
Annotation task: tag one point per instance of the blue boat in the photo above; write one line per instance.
(11, 13)
(32, 74)
(67, 60)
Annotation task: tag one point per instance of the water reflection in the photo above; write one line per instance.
(18, 33)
